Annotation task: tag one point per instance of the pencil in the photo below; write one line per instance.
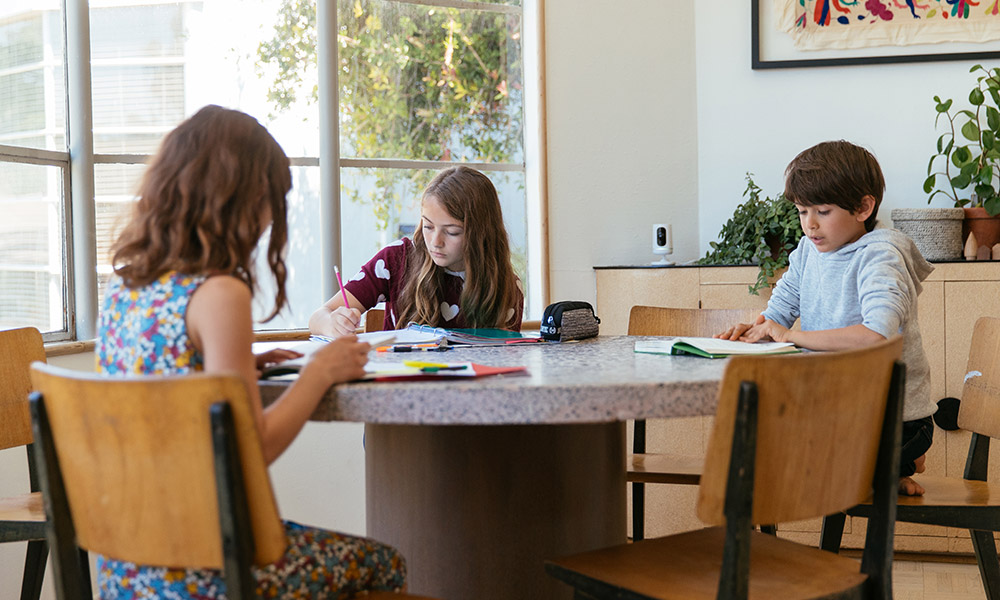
(343, 292)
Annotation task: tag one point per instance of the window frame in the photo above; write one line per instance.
(78, 162)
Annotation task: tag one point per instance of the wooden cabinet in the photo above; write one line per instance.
(954, 296)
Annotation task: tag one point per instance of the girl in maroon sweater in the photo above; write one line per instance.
(455, 273)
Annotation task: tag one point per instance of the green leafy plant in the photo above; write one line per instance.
(761, 232)
(416, 83)
(970, 173)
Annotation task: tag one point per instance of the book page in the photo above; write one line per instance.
(717, 346)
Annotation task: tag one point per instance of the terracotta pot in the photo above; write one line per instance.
(979, 222)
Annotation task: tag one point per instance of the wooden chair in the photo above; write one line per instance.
(22, 518)
(157, 471)
(148, 469)
(796, 437)
(680, 469)
(373, 319)
(969, 502)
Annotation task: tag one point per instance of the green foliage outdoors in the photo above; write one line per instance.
(761, 232)
(416, 82)
(970, 173)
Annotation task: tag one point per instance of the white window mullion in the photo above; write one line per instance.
(82, 234)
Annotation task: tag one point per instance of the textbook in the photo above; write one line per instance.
(711, 347)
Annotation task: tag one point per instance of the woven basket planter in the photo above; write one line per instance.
(936, 231)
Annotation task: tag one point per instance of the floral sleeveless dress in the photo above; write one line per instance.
(143, 332)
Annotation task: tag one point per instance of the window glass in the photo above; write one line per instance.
(154, 64)
(304, 282)
(32, 286)
(32, 89)
(114, 187)
(369, 227)
(429, 83)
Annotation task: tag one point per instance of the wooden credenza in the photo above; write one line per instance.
(954, 296)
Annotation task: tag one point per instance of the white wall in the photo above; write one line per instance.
(759, 120)
(622, 151)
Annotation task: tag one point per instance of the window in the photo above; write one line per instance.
(420, 86)
(35, 286)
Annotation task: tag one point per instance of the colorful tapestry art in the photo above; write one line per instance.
(839, 24)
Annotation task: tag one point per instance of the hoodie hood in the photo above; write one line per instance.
(916, 264)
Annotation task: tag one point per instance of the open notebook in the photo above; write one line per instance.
(375, 338)
(711, 347)
(462, 337)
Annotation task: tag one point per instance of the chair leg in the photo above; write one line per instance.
(34, 569)
(986, 557)
(638, 511)
(832, 532)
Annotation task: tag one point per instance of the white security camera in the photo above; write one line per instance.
(663, 243)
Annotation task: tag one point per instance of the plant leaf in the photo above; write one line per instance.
(976, 97)
(971, 131)
(992, 118)
(929, 184)
(992, 206)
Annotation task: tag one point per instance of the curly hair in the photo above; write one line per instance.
(490, 283)
(204, 202)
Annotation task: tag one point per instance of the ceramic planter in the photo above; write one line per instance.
(979, 222)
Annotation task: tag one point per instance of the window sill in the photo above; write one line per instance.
(80, 347)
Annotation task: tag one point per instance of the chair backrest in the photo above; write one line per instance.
(979, 411)
(819, 424)
(374, 319)
(136, 458)
(18, 349)
(691, 322)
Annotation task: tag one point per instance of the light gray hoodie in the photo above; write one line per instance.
(873, 281)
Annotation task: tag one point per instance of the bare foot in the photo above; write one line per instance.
(909, 487)
(920, 463)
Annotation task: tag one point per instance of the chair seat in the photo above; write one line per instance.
(26, 507)
(22, 518)
(688, 565)
(953, 491)
(975, 504)
(664, 468)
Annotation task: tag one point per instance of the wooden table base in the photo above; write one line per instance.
(476, 509)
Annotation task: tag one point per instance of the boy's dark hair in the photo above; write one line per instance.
(837, 173)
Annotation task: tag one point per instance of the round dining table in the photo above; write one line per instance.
(477, 481)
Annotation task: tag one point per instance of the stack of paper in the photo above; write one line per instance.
(711, 347)
(465, 337)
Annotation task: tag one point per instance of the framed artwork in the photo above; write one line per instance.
(829, 33)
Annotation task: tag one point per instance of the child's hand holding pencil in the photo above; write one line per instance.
(344, 319)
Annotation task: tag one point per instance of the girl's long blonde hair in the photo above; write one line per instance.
(490, 284)
(204, 203)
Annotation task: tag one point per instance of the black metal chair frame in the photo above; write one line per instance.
(981, 521)
(34, 534)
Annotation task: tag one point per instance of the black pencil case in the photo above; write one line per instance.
(569, 320)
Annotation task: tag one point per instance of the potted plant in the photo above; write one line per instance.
(969, 175)
(761, 232)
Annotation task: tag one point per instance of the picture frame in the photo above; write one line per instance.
(771, 49)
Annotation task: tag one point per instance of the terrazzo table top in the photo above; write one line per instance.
(590, 381)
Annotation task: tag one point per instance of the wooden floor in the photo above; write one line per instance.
(914, 580)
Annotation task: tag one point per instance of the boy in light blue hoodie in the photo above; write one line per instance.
(851, 284)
